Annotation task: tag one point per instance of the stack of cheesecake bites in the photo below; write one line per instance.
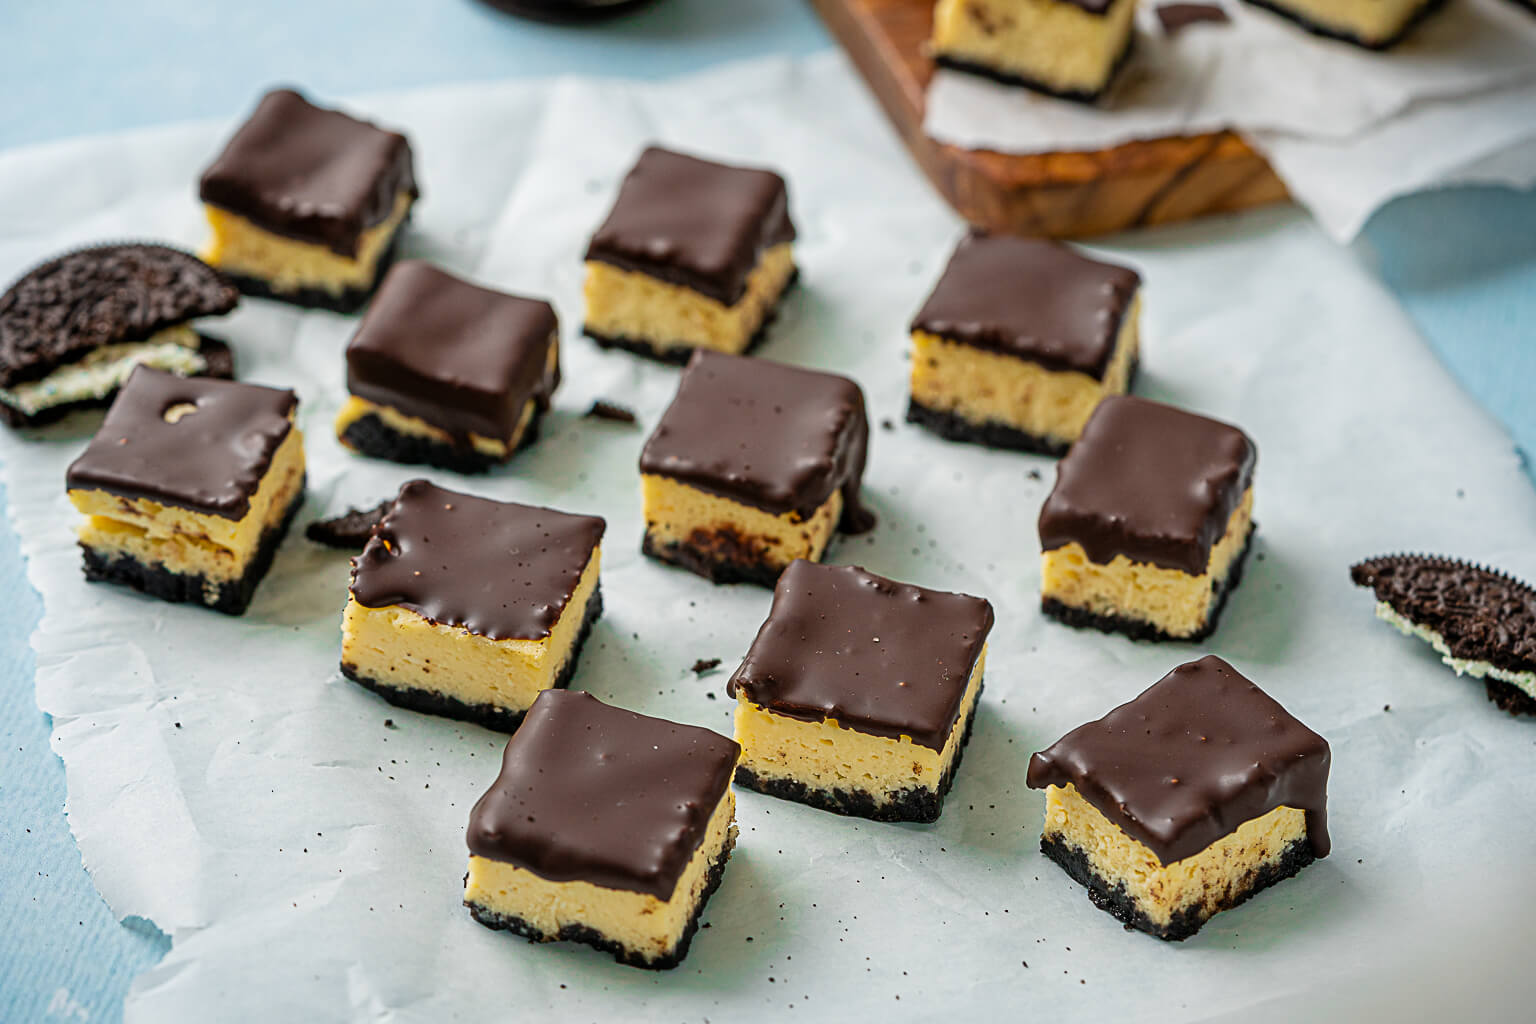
(858, 693)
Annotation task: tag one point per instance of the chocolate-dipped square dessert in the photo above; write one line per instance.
(694, 254)
(1480, 621)
(605, 827)
(447, 373)
(1065, 48)
(74, 328)
(859, 692)
(1148, 525)
(470, 608)
(753, 465)
(1185, 801)
(307, 204)
(189, 487)
(1020, 341)
(1373, 24)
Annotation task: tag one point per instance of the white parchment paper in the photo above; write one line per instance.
(1345, 128)
(227, 783)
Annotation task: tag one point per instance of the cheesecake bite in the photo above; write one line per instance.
(307, 204)
(1480, 621)
(1020, 341)
(468, 607)
(694, 254)
(1065, 48)
(188, 488)
(604, 827)
(1374, 24)
(74, 328)
(1148, 525)
(1186, 801)
(859, 692)
(753, 465)
(447, 373)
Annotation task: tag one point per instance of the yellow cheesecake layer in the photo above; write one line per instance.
(241, 247)
(827, 756)
(981, 386)
(397, 647)
(1176, 602)
(676, 513)
(1053, 42)
(188, 542)
(644, 925)
(1370, 21)
(1209, 880)
(638, 307)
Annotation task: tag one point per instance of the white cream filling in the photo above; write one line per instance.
(103, 371)
(1525, 681)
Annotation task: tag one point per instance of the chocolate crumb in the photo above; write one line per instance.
(1034, 474)
(704, 665)
(389, 723)
(350, 531)
(887, 424)
(602, 409)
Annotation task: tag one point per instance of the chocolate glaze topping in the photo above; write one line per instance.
(877, 656)
(308, 173)
(1036, 300)
(77, 303)
(1148, 481)
(210, 460)
(1177, 17)
(1482, 614)
(775, 437)
(694, 223)
(1191, 759)
(594, 793)
(463, 358)
(1093, 6)
(500, 570)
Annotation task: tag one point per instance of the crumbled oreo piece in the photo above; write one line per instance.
(77, 303)
(1482, 621)
(704, 665)
(602, 409)
(349, 531)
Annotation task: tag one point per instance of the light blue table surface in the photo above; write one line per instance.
(1462, 261)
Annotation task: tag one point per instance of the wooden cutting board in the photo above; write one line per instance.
(1059, 195)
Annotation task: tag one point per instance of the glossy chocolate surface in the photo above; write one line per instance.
(775, 437)
(594, 793)
(1148, 481)
(693, 222)
(1036, 300)
(309, 173)
(500, 570)
(463, 358)
(1191, 759)
(877, 656)
(211, 459)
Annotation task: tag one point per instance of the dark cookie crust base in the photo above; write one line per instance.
(491, 716)
(221, 364)
(1140, 629)
(911, 804)
(1425, 10)
(1114, 900)
(721, 556)
(597, 940)
(371, 436)
(348, 301)
(954, 427)
(680, 356)
(1509, 697)
(157, 581)
(1013, 78)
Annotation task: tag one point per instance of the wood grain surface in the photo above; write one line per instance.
(1059, 195)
